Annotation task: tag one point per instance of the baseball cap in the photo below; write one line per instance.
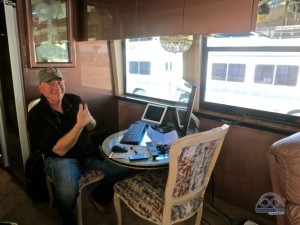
(47, 74)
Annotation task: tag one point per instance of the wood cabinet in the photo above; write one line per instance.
(98, 20)
(110, 19)
(221, 16)
(127, 19)
(120, 19)
(159, 18)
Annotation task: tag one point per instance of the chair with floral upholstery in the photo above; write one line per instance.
(168, 196)
(89, 177)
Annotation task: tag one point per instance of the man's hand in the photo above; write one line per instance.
(84, 118)
(83, 115)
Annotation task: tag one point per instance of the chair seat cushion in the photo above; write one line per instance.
(90, 176)
(144, 194)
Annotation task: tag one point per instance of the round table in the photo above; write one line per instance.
(162, 161)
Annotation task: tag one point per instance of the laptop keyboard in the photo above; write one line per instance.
(134, 134)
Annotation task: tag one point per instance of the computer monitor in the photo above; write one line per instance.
(188, 112)
(154, 114)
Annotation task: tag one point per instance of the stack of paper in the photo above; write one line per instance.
(162, 138)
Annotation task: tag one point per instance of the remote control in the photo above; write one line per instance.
(135, 157)
(152, 150)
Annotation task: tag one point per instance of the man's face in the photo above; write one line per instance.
(53, 90)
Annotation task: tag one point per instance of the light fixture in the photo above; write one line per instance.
(180, 43)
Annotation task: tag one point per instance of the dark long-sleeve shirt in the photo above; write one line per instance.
(46, 126)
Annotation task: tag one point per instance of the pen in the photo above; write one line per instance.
(133, 150)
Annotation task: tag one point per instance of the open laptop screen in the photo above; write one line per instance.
(180, 116)
(154, 113)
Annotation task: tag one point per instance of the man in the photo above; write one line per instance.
(58, 126)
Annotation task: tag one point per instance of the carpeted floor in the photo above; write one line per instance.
(16, 206)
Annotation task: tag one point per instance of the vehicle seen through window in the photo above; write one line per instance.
(262, 82)
(252, 76)
(153, 72)
(246, 75)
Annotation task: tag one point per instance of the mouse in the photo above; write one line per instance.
(119, 149)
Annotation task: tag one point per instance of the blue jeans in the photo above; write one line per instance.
(65, 174)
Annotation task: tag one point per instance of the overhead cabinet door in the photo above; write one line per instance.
(221, 16)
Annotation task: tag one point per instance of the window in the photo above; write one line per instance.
(219, 71)
(286, 75)
(153, 72)
(252, 76)
(236, 72)
(263, 74)
(134, 67)
(142, 68)
(145, 68)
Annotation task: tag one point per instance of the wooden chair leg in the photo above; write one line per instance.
(79, 209)
(50, 191)
(117, 204)
(199, 215)
(79, 201)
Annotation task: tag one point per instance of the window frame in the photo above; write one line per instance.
(290, 120)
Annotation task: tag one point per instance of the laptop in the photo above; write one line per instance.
(152, 116)
(180, 116)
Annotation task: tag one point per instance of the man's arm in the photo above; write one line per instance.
(68, 141)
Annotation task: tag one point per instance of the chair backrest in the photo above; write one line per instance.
(32, 104)
(192, 159)
(284, 160)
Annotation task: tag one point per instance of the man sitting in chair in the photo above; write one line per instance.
(58, 126)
